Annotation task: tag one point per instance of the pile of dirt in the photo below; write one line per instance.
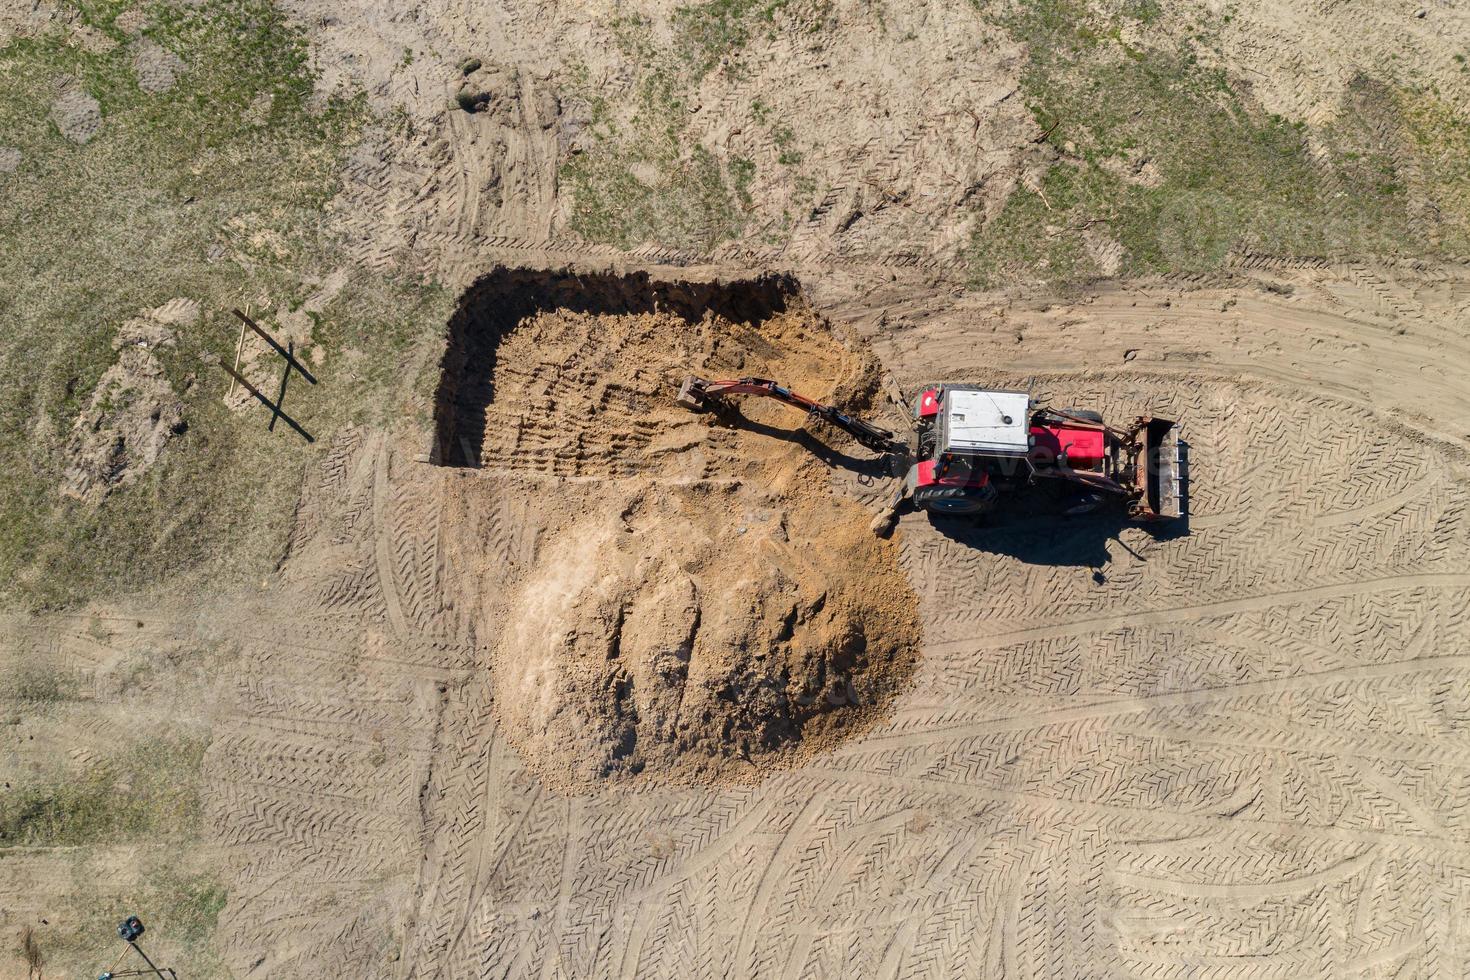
(134, 411)
(703, 606)
(157, 67)
(77, 114)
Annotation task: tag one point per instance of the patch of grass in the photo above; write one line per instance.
(39, 683)
(178, 897)
(154, 795)
(1171, 160)
(641, 178)
(706, 32)
(187, 905)
(212, 191)
(688, 204)
(1440, 137)
(1031, 238)
(785, 140)
(644, 181)
(742, 172)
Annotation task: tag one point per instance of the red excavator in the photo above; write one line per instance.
(975, 444)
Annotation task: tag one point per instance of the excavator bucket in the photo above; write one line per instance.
(691, 394)
(1159, 470)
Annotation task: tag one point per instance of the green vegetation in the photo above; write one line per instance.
(179, 902)
(154, 795)
(187, 906)
(707, 32)
(641, 178)
(645, 189)
(211, 191)
(1170, 160)
(1440, 137)
(36, 683)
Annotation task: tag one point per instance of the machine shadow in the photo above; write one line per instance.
(873, 467)
(1033, 530)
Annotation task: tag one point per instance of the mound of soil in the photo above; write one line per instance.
(703, 606)
(77, 115)
(134, 412)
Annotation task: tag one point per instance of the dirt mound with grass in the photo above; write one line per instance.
(702, 605)
(134, 412)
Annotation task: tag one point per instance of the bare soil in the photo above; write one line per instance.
(134, 411)
(621, 691)
(706, 607)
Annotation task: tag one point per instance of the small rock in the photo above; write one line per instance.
(1421, 13)
(470, 100)
(1130, 354)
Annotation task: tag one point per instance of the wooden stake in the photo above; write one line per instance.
(239, 351)
(290, 358)
(275, 409)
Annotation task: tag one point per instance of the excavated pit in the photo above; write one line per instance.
(699, 604)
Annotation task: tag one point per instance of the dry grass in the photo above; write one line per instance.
(211, 191)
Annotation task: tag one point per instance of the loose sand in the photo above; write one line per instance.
(704, 607)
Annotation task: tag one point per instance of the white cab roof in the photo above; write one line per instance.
(987, 422)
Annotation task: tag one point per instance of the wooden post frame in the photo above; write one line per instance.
(275, 409)
(290, 358)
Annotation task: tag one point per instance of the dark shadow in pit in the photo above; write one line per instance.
(493, 306)
(1033, 530)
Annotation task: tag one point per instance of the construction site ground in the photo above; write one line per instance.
(300, 743)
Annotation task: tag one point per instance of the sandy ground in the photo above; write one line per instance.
(702, 606)
(1240, 752)
(1237, 752)
(910, 118)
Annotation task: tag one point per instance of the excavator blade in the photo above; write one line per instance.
(1159, 468)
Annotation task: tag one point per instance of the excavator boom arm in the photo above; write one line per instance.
(699, 395)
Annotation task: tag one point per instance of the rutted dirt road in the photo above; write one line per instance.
(1238, 752)
(1241, 751)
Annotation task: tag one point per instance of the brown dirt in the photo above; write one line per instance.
(704, 607)
(134, 412)
(1260, 714)
(157, 67)
(1239, 751)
